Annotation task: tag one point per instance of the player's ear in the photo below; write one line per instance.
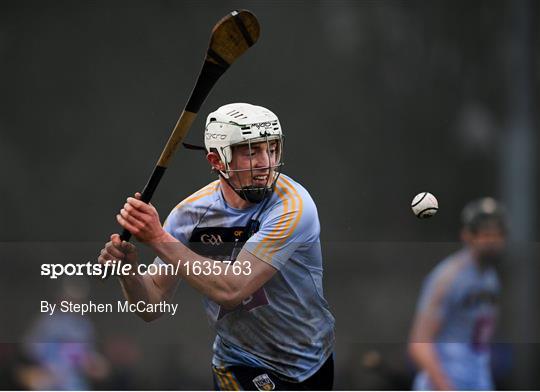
(215, 161)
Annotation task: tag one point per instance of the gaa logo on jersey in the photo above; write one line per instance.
(211, 239)
(263, 383)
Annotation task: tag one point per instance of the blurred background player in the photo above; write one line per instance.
(61, 351)
(274, 327)
(457, 310)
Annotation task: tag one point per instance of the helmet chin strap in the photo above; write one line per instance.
(250, 193)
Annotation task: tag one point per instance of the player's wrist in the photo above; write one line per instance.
(161, 239)
(129, 279)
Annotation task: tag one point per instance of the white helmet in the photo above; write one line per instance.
(242, 123)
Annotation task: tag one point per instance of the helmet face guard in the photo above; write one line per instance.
(248, 190)
(238, 125)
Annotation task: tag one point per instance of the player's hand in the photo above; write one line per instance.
(116, 250)
(142, 220)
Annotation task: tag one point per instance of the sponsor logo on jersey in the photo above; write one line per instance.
(475, 299)
(264, 383)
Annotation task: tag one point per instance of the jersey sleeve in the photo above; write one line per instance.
(435, 298)
(291, 223)
(181, 219)
(176, 225)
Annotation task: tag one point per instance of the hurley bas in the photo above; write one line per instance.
(121, 307)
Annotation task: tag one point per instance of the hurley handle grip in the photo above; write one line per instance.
(147, 193)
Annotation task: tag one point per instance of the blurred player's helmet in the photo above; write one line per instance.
(483, 212)
(238, 124)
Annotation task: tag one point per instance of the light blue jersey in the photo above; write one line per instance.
(286, 326)
(466, 304)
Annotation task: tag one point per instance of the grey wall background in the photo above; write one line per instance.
(379, 100)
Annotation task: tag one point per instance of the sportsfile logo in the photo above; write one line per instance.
(119, 269)
(111, 268)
